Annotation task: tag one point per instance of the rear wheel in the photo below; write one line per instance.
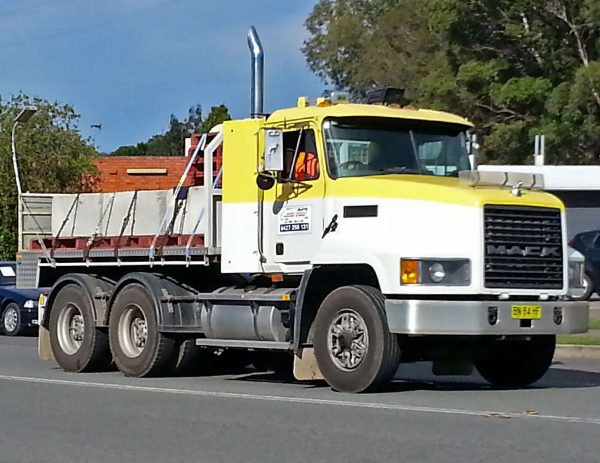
(353, 346)
(11, 320)
(138, 348)
(76, 343)
(517, 363)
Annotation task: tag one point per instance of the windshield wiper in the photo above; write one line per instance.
(401, 170)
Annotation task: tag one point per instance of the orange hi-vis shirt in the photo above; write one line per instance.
(307, 166)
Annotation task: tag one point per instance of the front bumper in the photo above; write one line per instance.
(29, 317)
(438, 317)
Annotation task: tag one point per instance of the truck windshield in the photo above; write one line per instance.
(378, 146)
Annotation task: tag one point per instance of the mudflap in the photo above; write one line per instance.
(305, 365)
(44, 349)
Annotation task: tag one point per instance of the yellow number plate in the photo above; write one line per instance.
(527, 312)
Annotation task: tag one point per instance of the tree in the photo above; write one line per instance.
(52, 155)
(516, 68)
(171, 143)
(216, 116)
(527, 67)
(141, 149)
(360, 44)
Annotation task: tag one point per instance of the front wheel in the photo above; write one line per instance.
(353, 346)
(517, 363)
(11, 320)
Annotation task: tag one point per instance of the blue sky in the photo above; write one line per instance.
(130, 64)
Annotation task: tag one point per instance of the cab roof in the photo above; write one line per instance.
(319, 113)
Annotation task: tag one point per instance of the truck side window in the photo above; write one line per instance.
(303, 164)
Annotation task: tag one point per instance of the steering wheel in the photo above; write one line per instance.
(351, 165)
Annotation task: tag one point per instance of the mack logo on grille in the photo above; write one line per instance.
(527, 251)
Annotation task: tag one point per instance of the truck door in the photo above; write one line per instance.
(293, 209)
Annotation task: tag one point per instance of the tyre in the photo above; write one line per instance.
(11, 320)
(353, 346)
(76, 343)
(588, 286)
(189, 357)
(517, 363)
(137, 346)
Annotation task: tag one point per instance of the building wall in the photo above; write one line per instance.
(126, 173)
(129, 173)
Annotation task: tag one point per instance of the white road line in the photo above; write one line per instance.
(303, 400)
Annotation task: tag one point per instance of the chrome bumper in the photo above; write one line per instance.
(483, 317)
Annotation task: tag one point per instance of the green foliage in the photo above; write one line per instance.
(477, 76)
(516, 68)
(360, 44)
(141, 149)
(518, 91)
(171, 143)
(216, 116)
(52, 155)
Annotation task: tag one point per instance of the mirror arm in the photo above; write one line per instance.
(295, 158)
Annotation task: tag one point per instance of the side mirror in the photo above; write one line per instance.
(472, 149)
(273, 150)
(265, 181)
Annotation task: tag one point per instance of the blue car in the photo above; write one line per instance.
(18, 307)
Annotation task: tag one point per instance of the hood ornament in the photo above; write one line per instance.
(516, 190)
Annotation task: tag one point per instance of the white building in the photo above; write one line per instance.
(577, 186)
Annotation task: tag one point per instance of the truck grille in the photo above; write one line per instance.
(523, 247)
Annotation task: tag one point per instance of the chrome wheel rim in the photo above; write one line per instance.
(348, 340)
(133, 331)
(11, 320)
(70, 329)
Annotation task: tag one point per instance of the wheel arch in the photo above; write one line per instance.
(316, 284)
(149, 281)
(175, 305)
(96, 289)
(5, 302)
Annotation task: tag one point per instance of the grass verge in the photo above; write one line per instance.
(594, 325)
(579, 340)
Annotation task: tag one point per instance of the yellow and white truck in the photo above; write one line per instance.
(351, 237)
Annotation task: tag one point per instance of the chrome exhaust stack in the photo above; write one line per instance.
(258, 55)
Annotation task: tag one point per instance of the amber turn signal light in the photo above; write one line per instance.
(409, 272)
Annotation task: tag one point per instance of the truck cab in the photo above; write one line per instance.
(389, 188)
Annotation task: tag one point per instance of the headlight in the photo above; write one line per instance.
(446, 272)
(30, 304)
(437, 272)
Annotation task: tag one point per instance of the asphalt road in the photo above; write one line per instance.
(48, 415)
